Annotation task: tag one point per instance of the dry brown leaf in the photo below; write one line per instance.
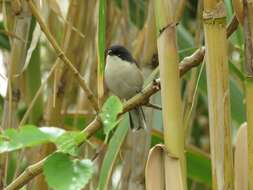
(162, 170)
(241, 159)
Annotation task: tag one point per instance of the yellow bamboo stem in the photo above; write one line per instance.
(170, 88)
(218, 94)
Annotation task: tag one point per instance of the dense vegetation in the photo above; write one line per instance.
(62, 129)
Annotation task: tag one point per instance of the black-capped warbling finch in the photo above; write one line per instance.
(124, 79)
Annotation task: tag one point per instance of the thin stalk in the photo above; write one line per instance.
(170, 88)
(218, 94)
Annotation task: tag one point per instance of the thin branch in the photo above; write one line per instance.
(62, 56)
(154, 106)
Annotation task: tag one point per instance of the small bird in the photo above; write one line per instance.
(124, 79)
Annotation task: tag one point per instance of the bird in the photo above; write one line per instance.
(124, 79)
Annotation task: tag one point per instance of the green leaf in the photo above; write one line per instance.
(101, 34)
(110, 110)
(137, 12)
(112, 152)
(4, 40)
(198, 167)
(119, 3)
(68, 142)
(53, 132)
(27, 136)
(62, 173)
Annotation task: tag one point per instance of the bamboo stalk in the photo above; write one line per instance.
(18, 53)
(248, 33)
(218, 94)
(170, 89)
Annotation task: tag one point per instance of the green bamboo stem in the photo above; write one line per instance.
(170, 87)
(218, 94)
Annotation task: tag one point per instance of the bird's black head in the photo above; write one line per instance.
(120, 51)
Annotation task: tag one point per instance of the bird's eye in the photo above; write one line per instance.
(109, 52)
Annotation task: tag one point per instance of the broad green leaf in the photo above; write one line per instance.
(62, 173)
(53, 132)
(68, 142)
(27, 136)
(112, 152)
(74, 121)
(198, 167)
(110, 110)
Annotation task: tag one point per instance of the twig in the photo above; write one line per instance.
(62, 56)
(155, 106)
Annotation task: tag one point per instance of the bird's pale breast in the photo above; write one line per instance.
(122, 78)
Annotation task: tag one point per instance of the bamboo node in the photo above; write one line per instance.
(216, 15)
(170, 25)
(60, 54)
(249, 77)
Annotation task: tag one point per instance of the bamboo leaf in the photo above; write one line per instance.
(111, 154)
(198, 167)
(137, 12)
(35, 40)
(101, 45)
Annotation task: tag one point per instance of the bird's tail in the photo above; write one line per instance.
(137, 119)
